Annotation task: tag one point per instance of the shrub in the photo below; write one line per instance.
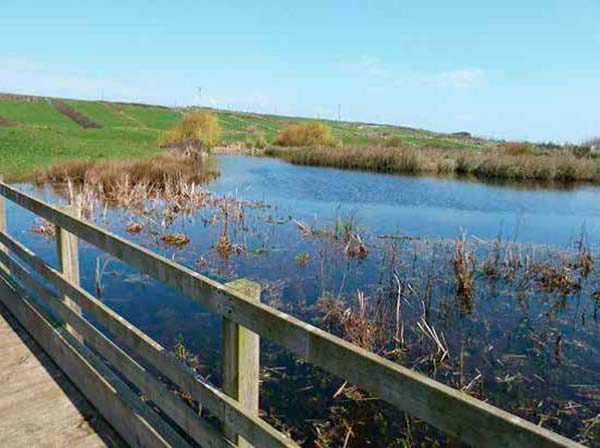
(516, 148)
(202, 127)
(306, 134)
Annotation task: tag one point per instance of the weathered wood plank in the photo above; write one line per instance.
(113, 399)
(455, 413)
(67, 249)
(196, 427)
(241, 360)
(220, 404)
(38, 404)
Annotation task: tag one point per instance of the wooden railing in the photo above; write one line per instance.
(79, 343)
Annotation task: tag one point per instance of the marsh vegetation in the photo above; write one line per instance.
(509, 162)
(513, 323)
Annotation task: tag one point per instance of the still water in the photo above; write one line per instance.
(518, 340)
(420, 206)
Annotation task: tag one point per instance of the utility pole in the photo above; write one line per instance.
(339, 112)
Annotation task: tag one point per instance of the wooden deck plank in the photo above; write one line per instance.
(38, 405)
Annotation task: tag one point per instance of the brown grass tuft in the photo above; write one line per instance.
(516, 148)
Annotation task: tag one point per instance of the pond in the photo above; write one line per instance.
(421, 206)
(491, 289)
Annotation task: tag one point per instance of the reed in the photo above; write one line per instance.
(494, 164)
(114, 178)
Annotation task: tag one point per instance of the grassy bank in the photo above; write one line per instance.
(493, 163)
(34, 134)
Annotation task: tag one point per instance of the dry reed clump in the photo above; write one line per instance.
(196, 129)
(372, 158)
(175, 239)
(360, 324)
(464, 272)
(134, 227)
(355, 247)
(261, 141)
(75, 170)
(516, 148)
(306, 134)
(45, 228)
(116, 179)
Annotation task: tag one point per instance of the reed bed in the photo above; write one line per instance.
(112, 178)
(512, 163)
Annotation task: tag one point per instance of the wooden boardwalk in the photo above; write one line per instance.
(38, 405)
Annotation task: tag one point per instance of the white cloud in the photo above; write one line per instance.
(460, 79)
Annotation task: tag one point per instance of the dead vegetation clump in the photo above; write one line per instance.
(46, 228)
(359, 324)
(175, 239)
(516, 148)
(134, 227)
(115, 179)
(464, 272)
(355, 247)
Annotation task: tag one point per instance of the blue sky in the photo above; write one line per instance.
(514, 69)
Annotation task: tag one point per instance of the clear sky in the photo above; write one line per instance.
(527, 69)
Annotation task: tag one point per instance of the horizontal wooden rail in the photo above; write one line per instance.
(182, 414)
(139, 426)
(456, 413)
(226, 409)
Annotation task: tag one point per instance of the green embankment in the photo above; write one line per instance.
(44, 135)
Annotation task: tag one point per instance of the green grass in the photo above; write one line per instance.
(100, 113)
(25, 149)
(130, 130)
(38, 113)
(152, 117)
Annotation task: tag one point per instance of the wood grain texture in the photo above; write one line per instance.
(39, 406)
(138, 425)
(241, 361)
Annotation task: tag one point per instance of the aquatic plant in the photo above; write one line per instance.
(559, 166)
(464, 272)
(175, 239)
(101, 266)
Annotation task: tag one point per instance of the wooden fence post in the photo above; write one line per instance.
(241, 361)
(67, 248)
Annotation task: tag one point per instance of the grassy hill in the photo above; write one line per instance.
(34, 132)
